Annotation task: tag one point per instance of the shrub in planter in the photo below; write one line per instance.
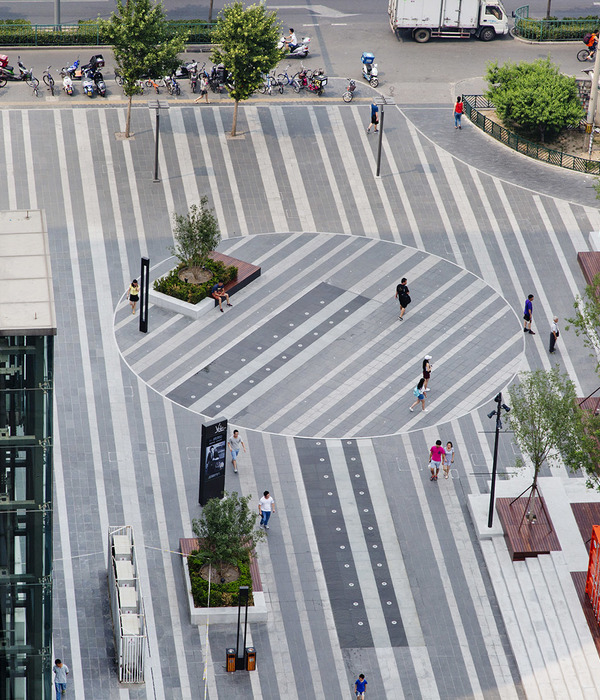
(173, 286)
(221, 594)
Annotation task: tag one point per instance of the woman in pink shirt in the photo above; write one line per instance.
(435, 459)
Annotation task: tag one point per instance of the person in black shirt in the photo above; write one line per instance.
(403, 297)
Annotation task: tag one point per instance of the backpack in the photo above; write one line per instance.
(587, 38)
(416, 392)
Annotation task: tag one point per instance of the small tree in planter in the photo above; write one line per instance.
(196, 234)
(227, 532)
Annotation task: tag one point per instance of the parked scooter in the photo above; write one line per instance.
(349, 94)
(95, 64)
(99, 83)
(67, 81)
(87, 83)
(193, 75)
(369, 69)
(299, 50)
(73, 71)
(8, 72)
(184, 70)
(219, 78)
(312, 81)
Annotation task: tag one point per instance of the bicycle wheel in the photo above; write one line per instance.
(178, 90)
(32, 82)
(280, 88)
(3, 82)
(583, 55)
(347, 96)
(296, 86)
(48, 80)
(148, 83)
(118, 78)
(263, 89)
(282, 78)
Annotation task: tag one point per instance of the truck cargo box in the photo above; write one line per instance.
(432, 14)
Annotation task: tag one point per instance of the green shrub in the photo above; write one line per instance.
(193, 293)
(221, 594)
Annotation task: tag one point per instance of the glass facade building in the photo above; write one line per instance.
(27, 330)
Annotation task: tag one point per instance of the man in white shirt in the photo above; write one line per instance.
(554, 333)
(266, 506)
(61, 671)
(291, 40)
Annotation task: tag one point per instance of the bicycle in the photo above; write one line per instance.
(34, 84)
(49, 80)
(285, 78)
(153, 84)
(584, 55)
(270, 83)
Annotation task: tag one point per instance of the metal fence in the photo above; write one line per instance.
(474, 103)
(127, 608)
(22, 33)
(552, 29)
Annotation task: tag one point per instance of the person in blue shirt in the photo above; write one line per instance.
(528, 315)
(374, 118)
(217, 292)
(360, 685)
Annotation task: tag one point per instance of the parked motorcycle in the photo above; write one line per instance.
(369, 69)
(95, 64)
(99, 84)
(314, 81)
(73, 71)
(87, 83)
(219, 78)
(8, 72)
(299, 50)
(193, 75)
(184, 70)
(349, 94)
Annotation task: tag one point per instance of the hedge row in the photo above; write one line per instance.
(555, 29)
(23, 33)
(193, 293)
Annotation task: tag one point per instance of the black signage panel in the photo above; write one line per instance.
(213, 454)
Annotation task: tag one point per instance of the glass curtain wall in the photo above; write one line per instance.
(26, 364)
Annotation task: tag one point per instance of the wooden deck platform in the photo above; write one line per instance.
(531, 539)
(586, 515)
(189, 544)
(246, 272)
(579, 579)
(589, 262)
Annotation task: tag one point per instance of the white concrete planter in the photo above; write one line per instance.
(193, 311)
(199, 616)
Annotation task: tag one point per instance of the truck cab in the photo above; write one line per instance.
(492, 21)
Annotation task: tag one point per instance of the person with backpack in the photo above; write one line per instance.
(420, 394)
(591, 41)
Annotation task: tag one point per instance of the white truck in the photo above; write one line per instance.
(448, 18)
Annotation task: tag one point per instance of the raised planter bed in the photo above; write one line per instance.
(246, 274)
(256, 613)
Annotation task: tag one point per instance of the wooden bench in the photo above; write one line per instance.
(589, 262)
(246, 273)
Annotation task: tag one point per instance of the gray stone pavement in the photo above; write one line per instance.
(369, 567)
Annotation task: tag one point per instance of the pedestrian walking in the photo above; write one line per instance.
(528, 315)
(133, 294)
(448, 458)
(403, 297)
(374, 118)
(235, 443)
(61, 671)
(360, 686)
(203, 89)
(426, 371)
(266, 506)
(458, 112)
(554, 333)
(436, 455)
(420, 394)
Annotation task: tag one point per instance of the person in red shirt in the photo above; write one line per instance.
(435, 459)
(458, 112)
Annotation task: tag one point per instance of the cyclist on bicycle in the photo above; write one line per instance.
(592, 44)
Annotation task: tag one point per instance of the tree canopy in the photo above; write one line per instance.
(227, 530)
(549, 425)
(534, 96)
(143, 44)
(246, 44)
(196, 234)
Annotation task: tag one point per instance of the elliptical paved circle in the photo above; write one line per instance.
(314, 347)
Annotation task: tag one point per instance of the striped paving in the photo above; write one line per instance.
(369, 567)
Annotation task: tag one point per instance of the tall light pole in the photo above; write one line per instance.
(157, 105)
(57, 14)
(496, 412)
(381, 102)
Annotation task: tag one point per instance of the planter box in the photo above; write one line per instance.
(198, 616)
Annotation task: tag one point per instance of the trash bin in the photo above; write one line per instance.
(250, 659)
(230, 655)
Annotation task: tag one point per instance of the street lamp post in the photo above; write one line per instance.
(381, 102)
(496, 412)
(157, 105)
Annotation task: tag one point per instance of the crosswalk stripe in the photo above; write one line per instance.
(8, 160)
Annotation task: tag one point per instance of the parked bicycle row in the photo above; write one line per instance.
(309, 79)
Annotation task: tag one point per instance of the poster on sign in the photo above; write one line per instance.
(213, 454)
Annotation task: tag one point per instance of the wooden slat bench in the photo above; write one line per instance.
(531, 539)
(586, 515)
(246, 273)
(589, 262)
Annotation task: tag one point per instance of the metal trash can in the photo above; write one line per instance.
(250, 659)
(230, 655)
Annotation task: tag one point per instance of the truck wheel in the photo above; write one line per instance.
(487, 34)
(421, 35)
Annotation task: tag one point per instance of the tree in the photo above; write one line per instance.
(549, 425)
(196, 234)
(143, 44)
(246, 40)
(227, 530)
(587, 318)
(535, 96)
